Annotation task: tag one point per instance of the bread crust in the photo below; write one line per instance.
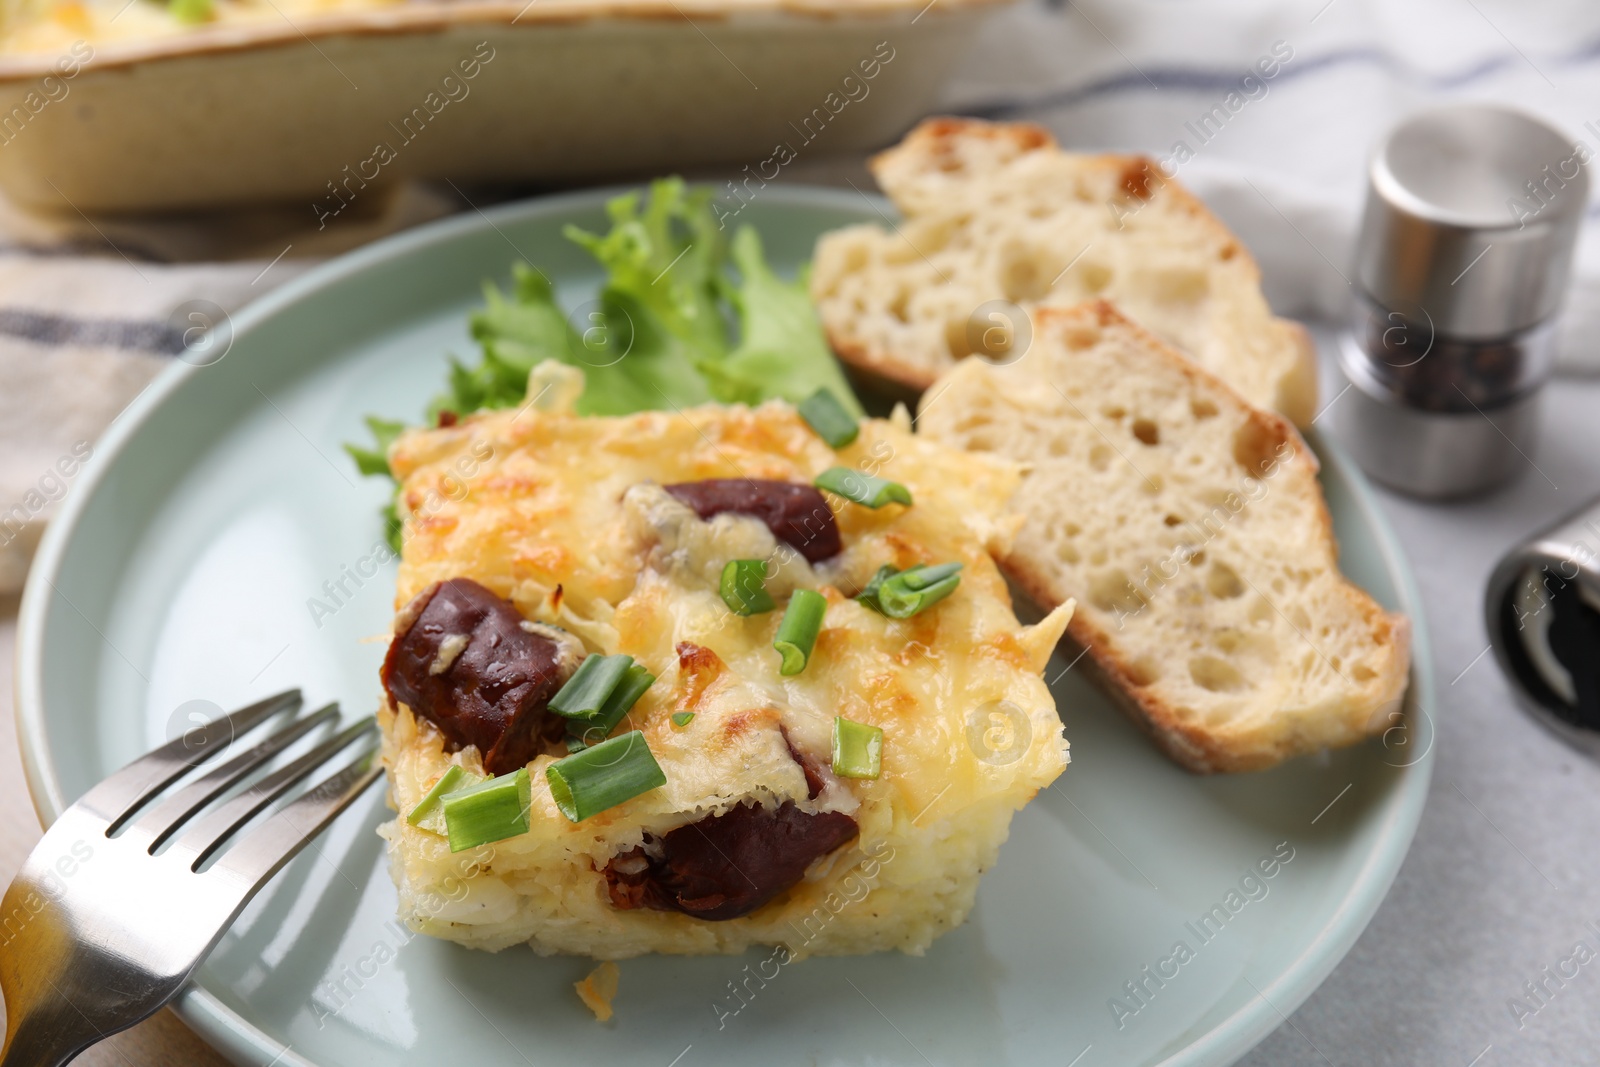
(1194, 745)
(880, 370)
(1195, 749)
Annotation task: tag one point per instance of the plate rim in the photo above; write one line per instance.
(236, 1038)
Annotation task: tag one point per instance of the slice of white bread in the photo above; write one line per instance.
(1000, 213)
(1192, 531)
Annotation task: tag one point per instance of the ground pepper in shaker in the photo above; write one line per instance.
(1465, 248)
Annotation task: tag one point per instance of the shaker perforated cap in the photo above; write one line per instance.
(1472, 213)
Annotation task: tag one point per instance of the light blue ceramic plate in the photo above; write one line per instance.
(220, 503)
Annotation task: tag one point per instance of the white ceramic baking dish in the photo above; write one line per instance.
(326, 108)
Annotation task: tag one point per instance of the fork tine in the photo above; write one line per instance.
(120, 795)
(184, 804)
(259, 854)
(216, 827)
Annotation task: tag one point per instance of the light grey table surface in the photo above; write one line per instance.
(1504, 877)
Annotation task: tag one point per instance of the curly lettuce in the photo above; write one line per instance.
(782, 351)
(670, 328)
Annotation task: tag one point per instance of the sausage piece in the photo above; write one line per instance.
(727, 865)
(797, 515)
(466, 664)
(812, 768)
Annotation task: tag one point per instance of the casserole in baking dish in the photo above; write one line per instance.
(126, 108)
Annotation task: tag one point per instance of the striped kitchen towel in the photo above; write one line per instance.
(90, 310)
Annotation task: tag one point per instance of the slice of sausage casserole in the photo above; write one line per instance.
(662, 693)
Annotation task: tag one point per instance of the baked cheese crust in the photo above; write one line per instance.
(566, 517)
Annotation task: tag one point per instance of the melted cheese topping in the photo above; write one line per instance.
(566, 517)
(53, 26)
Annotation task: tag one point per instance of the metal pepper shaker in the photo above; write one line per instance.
(1542, 614)
(1465, 249)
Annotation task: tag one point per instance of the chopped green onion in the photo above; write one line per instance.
(492, 810)
(833, 422)
(797, 633)
(575, 744)
(902, 595)
(924, 575)
(857, 749)
(862, 488)
(869, 595)
(681, 719)
(744, 587)
(622, 699)
(586, 692)
(429, 814)
(603, 776)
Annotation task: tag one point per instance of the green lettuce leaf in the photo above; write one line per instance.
(657, 337)
(375, 460)
(782, 350)
(667, 258)
(626, 362)
(639, 343)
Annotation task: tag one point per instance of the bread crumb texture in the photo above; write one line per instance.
(997, 215)
(1192, 530)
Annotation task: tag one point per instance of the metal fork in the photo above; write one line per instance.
(99, 931)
